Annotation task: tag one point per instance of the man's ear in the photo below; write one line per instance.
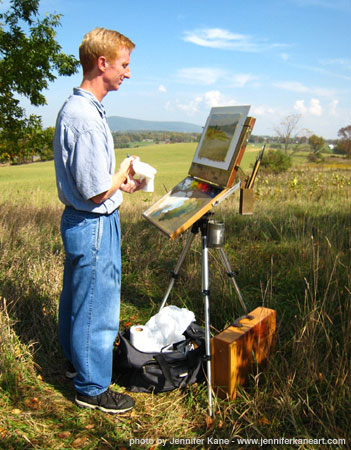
(102, 63)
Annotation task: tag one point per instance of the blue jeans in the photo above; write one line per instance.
(90, 299)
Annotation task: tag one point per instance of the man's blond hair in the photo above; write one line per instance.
(101, 42)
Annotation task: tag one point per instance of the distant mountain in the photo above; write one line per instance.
(117, 123)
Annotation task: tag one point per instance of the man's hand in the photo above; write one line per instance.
(131, 185)
(123, 179)
(126, 166)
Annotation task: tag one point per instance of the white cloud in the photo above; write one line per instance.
(211, 75)
(213, 98)
(300, 106)
(262, 110)
(323, 92)
(161, 88)
(341, 62)
(296, 86)
(215, 38)
(314, 108)
(284, 56)
(209, 99)
(200, 75)
(317, 69)
(333, 105)
(191, 107)
(226, 40)
(242, 79)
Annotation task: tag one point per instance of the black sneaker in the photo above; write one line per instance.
(109, 402)
(70, 370)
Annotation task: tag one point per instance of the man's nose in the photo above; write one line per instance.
(127, 73)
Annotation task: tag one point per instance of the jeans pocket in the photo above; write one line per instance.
(79, 236)
(73, 218)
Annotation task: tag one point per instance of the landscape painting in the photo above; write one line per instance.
(178, 209)
(220, 137)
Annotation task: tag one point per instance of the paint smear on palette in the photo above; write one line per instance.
(188, 196)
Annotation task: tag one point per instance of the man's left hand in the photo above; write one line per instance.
(131, 185)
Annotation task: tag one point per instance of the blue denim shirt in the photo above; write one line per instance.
(84, 154)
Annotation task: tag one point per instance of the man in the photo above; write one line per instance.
(91, 190)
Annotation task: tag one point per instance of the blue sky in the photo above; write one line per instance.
(281, 57)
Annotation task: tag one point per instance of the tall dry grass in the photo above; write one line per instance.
(292, 255)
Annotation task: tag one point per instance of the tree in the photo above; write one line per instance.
(345, 140)
(30, 58)
(317, 143)
(276, 161)
(287, 130)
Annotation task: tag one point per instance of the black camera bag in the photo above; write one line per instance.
(161, 371)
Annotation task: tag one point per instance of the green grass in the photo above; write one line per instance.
(35, 183)
(29, 183)
(293, 254)
(172, 162)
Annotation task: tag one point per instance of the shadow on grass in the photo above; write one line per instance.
(274, 255)
(36, 328)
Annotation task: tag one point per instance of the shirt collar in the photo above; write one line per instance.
(92, 98)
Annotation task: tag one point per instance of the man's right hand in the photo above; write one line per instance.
(122, 179)
(126, 167)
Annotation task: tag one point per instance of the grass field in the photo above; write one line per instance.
(35, 183)
(293, 254)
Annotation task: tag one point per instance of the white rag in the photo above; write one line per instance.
(145, 172)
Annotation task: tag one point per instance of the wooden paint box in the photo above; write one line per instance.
(233, 349)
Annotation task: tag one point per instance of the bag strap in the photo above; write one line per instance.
(189, 379)
(165, 368)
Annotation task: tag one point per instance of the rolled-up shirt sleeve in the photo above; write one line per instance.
(89, 164)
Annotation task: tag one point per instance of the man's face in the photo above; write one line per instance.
(117, 70)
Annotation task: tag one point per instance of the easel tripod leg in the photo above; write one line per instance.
(176, 270)
(230, 273)
(205, 292)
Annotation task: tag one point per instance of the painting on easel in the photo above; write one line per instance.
(212, 171)
(220, 137)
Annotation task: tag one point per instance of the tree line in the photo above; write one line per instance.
(290, 137)
(33, 142)
(138, 138)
